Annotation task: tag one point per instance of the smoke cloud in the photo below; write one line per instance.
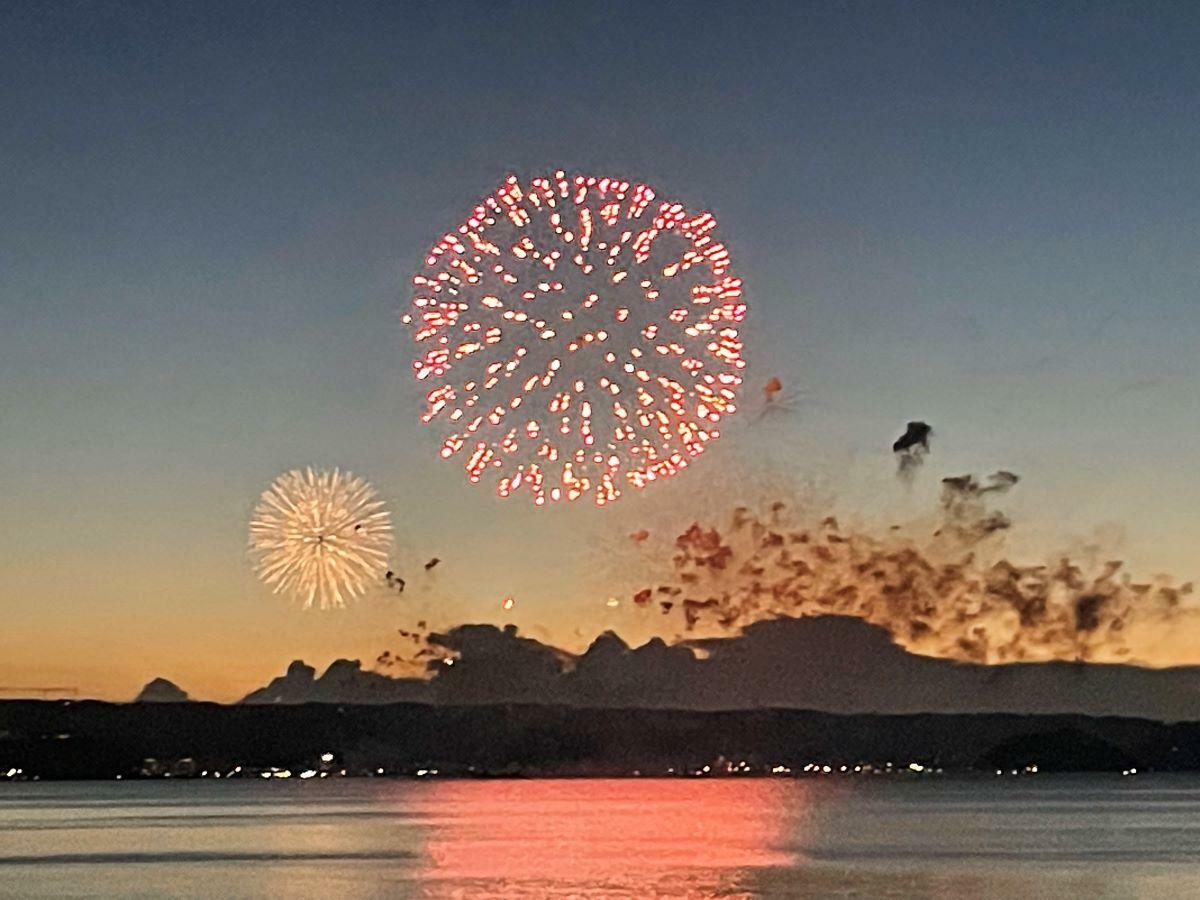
(947, 595)
(910, 449)
(964, 509)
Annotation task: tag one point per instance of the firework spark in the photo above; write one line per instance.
(320, 537)
(579, 336)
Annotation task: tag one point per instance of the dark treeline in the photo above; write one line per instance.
(60, 740)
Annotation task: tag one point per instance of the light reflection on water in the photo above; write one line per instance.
(1101, 836)
(674, 837)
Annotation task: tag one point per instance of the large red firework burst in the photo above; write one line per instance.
(579, 336)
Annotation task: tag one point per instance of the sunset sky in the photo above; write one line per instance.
(986, 217)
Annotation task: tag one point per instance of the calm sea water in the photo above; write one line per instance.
(1034, 837)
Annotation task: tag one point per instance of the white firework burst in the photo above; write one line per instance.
(321, 537)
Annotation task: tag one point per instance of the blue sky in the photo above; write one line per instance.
(985, 215)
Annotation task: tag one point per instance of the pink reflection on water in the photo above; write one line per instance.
(652, 836)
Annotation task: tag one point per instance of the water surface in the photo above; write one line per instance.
(1100, 836)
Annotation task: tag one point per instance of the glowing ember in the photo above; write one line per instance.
(320, 537)
(579, 336)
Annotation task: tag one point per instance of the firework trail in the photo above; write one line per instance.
(322, 538)
(579, 337)
(777, 399)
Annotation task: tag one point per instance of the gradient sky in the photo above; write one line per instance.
(984, 215)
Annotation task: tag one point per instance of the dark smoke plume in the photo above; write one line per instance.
(910, 449)
(964, 506)
(944, 597)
